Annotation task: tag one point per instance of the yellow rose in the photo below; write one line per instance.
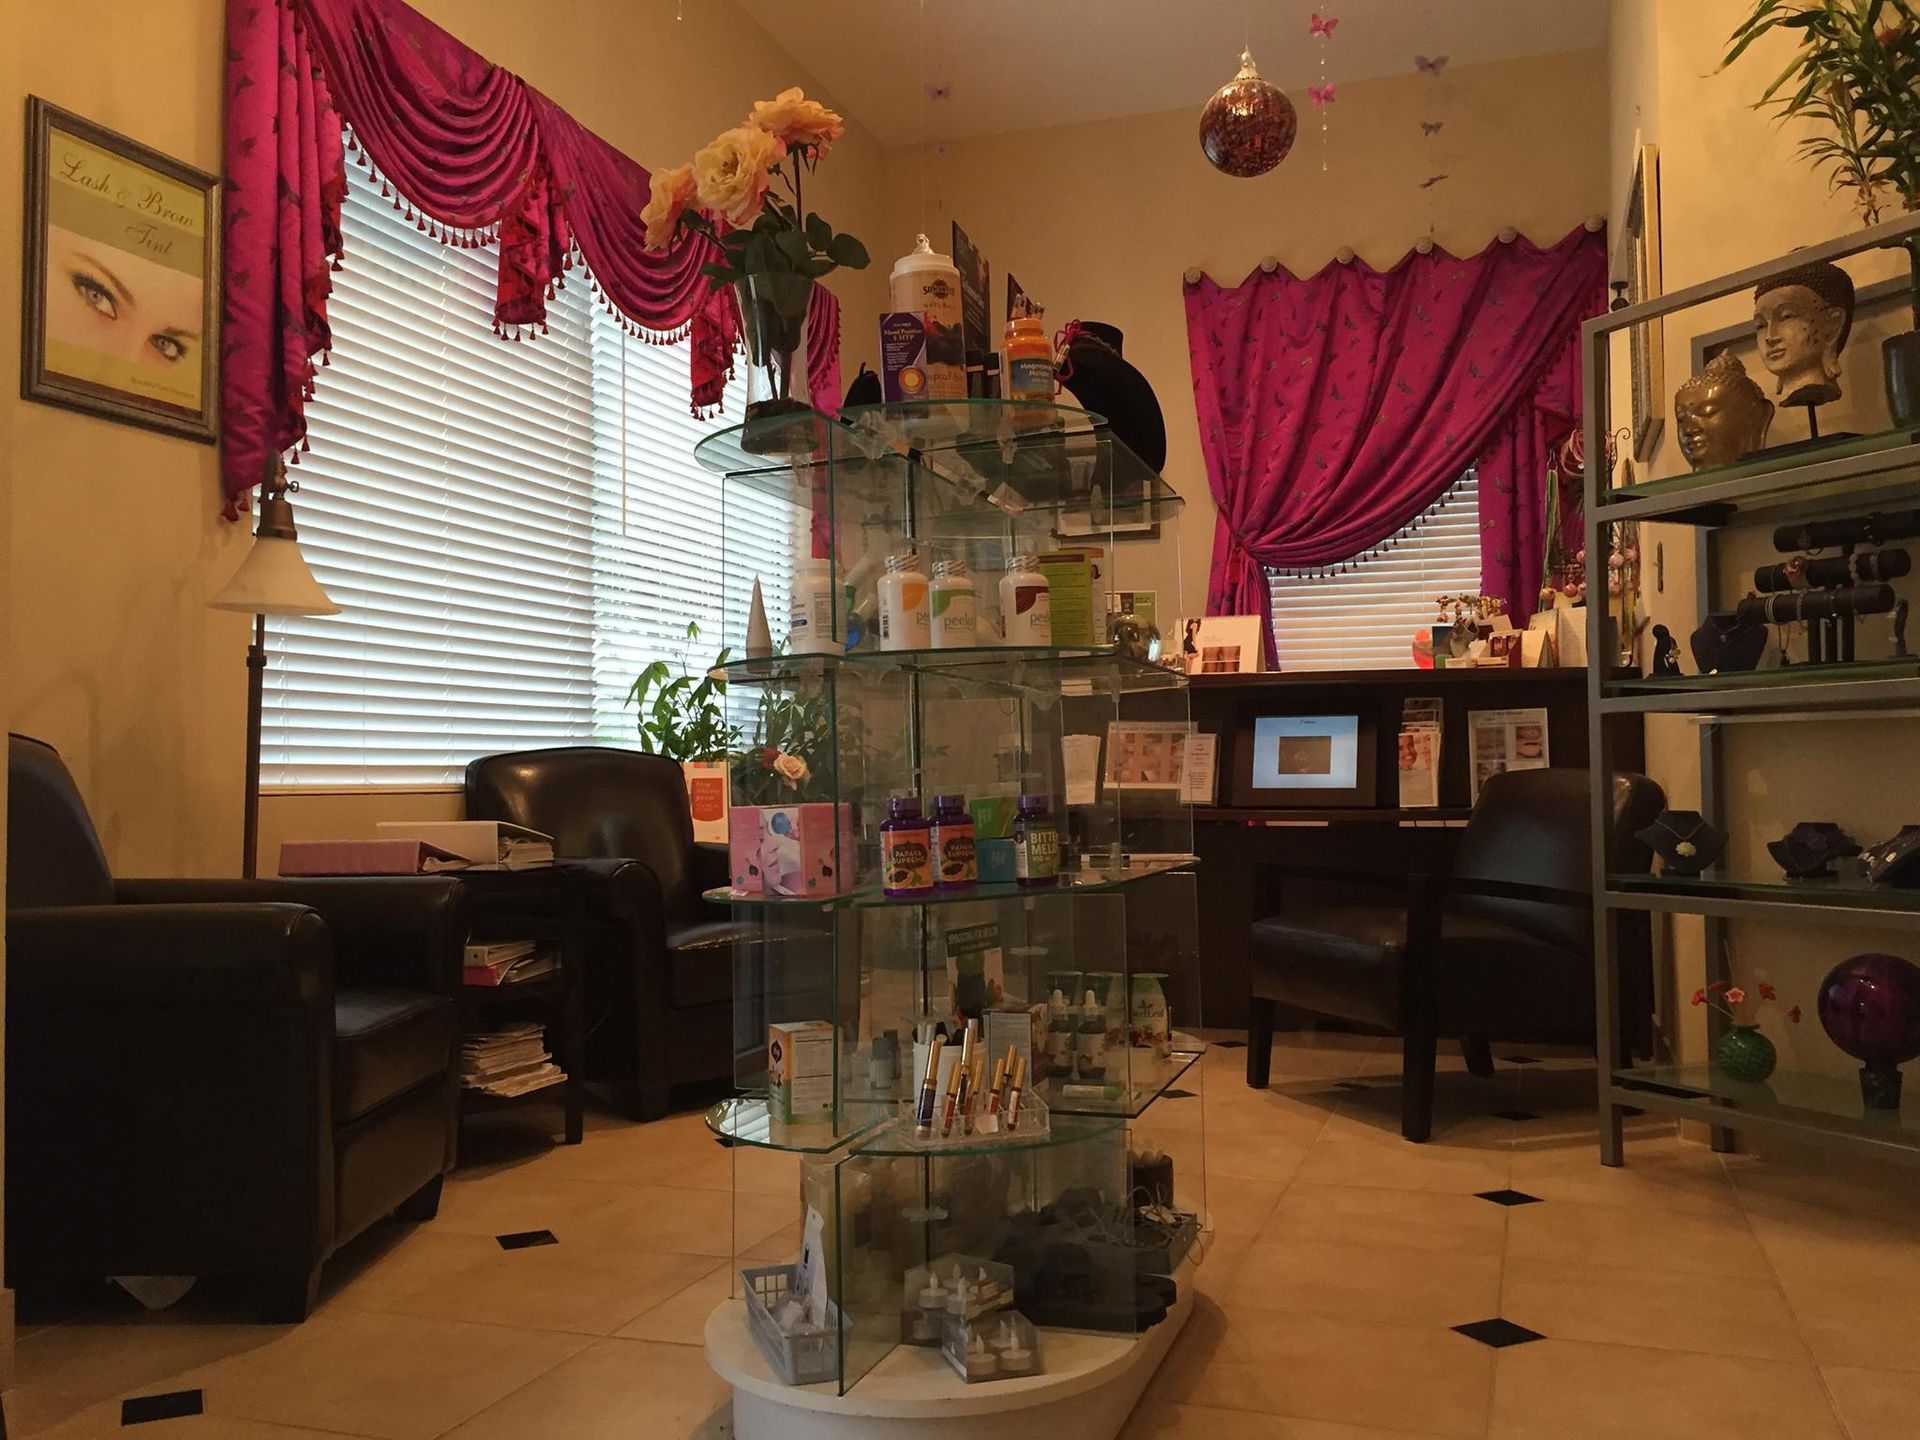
(731, 174)
(793, 770)
(671, 191)
(798, 121)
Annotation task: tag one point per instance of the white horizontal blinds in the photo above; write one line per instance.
(1365, 618)
(445, 507)
(658, 557)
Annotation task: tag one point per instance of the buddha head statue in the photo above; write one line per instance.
(1721, 413)
(1802, 318)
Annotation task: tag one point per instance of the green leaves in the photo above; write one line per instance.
(846, 251)
(682, 716)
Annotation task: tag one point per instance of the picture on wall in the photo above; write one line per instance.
(119, 299)
(1147, 754)
(1224, 645)
(1639, 262)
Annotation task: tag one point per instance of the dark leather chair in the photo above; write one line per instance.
(659, 979)
(1501, 948)
(219, 1078)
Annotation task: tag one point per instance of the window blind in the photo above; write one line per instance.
(1365, 618)
(512, 531)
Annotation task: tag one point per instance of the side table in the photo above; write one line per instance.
(545, 903)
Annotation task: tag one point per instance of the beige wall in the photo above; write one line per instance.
(1101, 221)
(1733, 194)
(114, 535)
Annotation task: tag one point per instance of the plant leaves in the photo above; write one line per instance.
(848, 252)
(819, 232)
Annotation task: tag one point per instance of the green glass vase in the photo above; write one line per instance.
(1745, 1054)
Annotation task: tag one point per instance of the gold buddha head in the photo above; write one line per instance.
(1721, 413)
(1802, 318)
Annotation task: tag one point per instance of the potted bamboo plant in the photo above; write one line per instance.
(1855, 73)
(684, 717)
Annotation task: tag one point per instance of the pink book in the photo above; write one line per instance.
(366, 857)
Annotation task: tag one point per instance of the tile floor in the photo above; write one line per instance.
(1686, 1295)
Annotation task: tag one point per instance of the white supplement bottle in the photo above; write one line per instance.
(905, 621)
(1026, 604)
(810, 610)
(955, 606)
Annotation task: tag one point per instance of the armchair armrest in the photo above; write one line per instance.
(187, 956)
(1457, 887)
(399, 930)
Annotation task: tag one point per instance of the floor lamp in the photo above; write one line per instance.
(272, 580)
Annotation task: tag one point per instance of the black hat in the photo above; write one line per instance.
(1093, 372)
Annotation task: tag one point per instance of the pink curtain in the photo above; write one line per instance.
(1513, 483)
(470, 153)
(1335, 409)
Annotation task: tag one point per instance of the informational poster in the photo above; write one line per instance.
(1500, 740)
(1147, 754)
(1200, 776)
(1419, 749)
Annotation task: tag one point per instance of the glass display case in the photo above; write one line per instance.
(963, 869)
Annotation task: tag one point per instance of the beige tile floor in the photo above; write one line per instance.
(1686, 1297)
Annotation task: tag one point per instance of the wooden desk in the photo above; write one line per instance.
(1384, 840)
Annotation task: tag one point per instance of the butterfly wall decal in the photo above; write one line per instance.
(1320, 95)
(1432, 127)
(1430, 64)
(1321, 26)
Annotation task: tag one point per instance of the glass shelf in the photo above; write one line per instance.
(1858, 684)
(1817, 1100)
(1011, 457)
(1150, 1078)
(1837, 892)
(1782, 464)
(1066, 662)
(1082, 882)
(896, 1138)
(745, 1121)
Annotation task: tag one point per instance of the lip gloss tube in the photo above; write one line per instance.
(923, 1112)
(1013, 1093)
(953, 1100)
(966, 1078)
(976, 1084)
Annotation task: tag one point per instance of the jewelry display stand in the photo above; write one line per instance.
(1047, 971)
(1834, 505)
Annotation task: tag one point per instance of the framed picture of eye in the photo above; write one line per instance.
(120, 287)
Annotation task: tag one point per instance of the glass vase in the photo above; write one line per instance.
(1745, 1054)
(773, 337)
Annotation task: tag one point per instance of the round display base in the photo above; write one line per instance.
(1089, 1388)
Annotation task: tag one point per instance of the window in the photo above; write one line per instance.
(511, 530)
(1365, 618)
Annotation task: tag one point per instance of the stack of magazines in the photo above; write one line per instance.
(512, 1060)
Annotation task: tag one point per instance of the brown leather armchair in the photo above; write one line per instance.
(215, 1077)
(659, 977)
(1499, 949)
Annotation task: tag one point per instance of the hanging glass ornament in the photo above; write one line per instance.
(1248, 126)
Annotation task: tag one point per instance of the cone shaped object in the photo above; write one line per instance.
(759, 637)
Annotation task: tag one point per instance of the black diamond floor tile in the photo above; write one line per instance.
(1521, 1059)
(170, 1406)
(1508, 1197)
(1351, 1085)
(1176, 1094)
(1498, 1333)
(1515, 1115)
(522, 1239)
(1229, 1044)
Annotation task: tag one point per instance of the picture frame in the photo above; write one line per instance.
(1226, 645)
(1146, 755)
(1639, 262)
(121, 278)
(1306, 756)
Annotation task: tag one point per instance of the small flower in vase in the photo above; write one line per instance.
(1742, 1052)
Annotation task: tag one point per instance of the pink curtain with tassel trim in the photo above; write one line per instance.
(469, 152)
(1337, 408)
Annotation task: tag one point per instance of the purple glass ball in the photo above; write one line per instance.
(1870, 1008)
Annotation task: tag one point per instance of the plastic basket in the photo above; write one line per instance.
(803, 1356)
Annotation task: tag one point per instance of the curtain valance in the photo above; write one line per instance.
(1335, 409)
(468, 151)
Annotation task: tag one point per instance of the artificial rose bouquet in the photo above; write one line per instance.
(726, 192)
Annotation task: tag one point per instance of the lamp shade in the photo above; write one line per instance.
(274, 580)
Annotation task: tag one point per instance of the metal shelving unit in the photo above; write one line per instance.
(1850, 475)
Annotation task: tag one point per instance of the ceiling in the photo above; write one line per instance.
(1028, 64)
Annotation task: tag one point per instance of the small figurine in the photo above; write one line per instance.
(1900, 651)
(1666, 650)
(1721, 414)
(1803, 317)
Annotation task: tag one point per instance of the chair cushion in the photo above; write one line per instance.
(700, 962)
(385, 1042)
(1345, 959)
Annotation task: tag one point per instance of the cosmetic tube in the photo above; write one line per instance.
(953, 1100)
(1013, 1093)
(923, 1116)
(999, 1081)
